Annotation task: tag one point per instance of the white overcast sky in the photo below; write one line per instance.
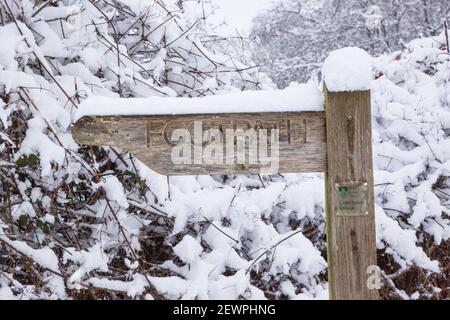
(239, 13)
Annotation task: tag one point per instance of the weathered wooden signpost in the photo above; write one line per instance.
(350, 195)
(336, 141)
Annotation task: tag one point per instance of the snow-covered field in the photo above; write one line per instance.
(78, 221)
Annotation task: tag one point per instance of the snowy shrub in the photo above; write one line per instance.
(81, 222)
(74, 219)
(411, 110)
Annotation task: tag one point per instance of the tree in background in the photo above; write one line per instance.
(294, 35)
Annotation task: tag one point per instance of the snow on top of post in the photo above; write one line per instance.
(348, 69)
(304, 97)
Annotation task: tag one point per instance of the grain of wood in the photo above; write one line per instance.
(351, 239)
(302, 139)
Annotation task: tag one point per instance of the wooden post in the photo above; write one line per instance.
(350, 196)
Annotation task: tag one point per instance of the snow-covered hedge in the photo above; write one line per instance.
(411, 110)
(94, 222)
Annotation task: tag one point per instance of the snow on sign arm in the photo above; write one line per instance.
(304, 97)
(348, 69)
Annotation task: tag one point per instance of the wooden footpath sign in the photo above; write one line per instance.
(301, 140)
(337, 142)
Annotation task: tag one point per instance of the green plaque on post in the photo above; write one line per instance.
(352, 199)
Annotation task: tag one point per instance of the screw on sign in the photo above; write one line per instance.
(269, 140)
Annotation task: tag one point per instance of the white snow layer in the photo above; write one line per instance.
(189, 249)
(304, 97)
(348, 69)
